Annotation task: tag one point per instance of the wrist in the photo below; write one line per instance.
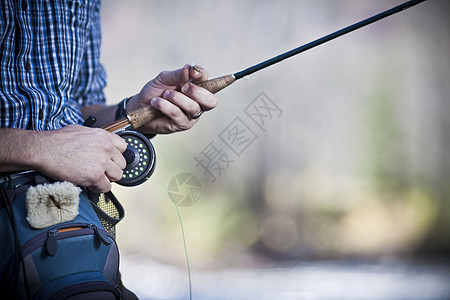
(121, 109)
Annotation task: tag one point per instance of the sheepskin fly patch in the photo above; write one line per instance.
(50, 204)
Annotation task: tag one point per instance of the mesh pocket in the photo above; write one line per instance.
(109, 210)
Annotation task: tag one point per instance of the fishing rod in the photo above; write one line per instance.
(141, 116)
(140, 155)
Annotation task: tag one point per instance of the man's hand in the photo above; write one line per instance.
(176, 96)
(87, 157)
(84, 156)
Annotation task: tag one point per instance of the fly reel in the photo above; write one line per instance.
(140, 157)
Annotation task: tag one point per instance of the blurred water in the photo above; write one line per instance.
(306, 280)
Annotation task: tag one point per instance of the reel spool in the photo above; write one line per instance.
(140, 157)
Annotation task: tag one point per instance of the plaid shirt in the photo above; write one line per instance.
(49, 62)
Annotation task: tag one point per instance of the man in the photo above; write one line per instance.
(51, 80)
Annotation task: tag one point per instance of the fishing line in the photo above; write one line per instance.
(182, 234)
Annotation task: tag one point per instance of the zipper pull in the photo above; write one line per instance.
(100, 234)
(51, 244)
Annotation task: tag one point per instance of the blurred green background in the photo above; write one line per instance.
(356, 164)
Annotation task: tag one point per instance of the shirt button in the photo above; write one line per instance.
(27, 66)
(41, 114)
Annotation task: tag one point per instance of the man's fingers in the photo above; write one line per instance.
(189, 72)
(169, 109)
(203, 97)
(101, 186)
(172, 79)
(197, 73)
(118, 142)
(120, 147)
(183, 102)
(113, 172)
(192, 100)
(118, 159)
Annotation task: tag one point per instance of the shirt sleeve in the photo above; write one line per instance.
(91, 79)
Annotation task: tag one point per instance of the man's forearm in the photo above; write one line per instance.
(19, 149)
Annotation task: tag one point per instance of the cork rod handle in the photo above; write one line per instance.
(216, 84)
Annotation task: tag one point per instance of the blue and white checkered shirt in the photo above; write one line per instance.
(49, 62)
